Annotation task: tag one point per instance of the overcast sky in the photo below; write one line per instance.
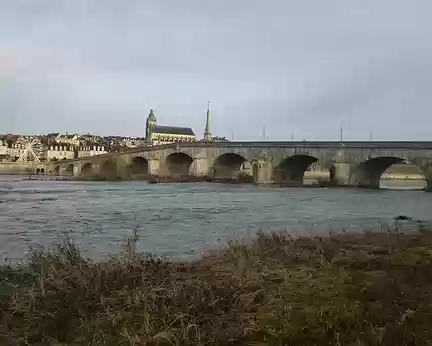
(302, 67)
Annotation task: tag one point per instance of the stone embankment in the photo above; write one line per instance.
(18, 168)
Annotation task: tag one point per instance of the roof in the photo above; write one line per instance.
(46, 141)
(10, 138)
(186, 131)
(92, 144)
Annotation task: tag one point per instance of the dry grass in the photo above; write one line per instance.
(357, 289)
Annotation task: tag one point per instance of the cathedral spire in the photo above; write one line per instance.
(150, 124)
(207, 133)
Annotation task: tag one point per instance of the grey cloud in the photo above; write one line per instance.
(289, 66)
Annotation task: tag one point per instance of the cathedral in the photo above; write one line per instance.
(160, 134)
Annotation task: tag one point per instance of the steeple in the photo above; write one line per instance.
(150, 124)
(207, 133)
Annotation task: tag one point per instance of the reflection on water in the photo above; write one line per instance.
(184, 219)
(403, 184)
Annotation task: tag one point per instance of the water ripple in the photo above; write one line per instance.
(183, 219)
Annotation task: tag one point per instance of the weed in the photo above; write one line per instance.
(369, 288)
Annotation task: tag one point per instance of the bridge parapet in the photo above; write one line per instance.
(350, 163)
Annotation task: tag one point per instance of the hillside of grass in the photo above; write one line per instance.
(345, 289)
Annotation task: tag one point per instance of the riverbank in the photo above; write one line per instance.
(385, 176)
(362, 289)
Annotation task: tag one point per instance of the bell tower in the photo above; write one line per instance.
(150, 125)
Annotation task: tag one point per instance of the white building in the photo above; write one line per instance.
(91, 151)
(60, 152)
(3, 151)
(74, 140)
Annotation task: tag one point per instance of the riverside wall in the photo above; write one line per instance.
(20, 168)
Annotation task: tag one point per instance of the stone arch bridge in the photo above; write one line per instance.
(349, 163)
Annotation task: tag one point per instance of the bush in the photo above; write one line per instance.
(349, 289)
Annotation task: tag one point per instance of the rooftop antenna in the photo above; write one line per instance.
(341, 132)
(370, 136)
(292, 136)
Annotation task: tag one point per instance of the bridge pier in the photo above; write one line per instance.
(153, 167)
(428, 176)
(340, 174)
(428, 184)
(348, 174)
(341, 171)
(262, 171)
(345, 174)
(62, 170)
(76, 170)
(199, 167)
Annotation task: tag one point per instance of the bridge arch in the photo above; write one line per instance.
(374, 172)
(70, 169)
(139, 166)
(87, 169)
(292, 169)
(108, 169)
(229, 166)
(178, 164)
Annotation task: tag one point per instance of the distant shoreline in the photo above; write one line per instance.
(385, 176)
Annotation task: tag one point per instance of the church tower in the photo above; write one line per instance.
(150, 125)
(207, 133)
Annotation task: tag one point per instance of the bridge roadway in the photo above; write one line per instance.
(351, 163)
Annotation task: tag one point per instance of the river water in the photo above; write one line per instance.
(179, 220)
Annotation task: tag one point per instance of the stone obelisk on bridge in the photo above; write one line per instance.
(207, 133)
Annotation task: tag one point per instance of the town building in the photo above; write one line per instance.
(91, 151)
(15, 147)
(57, 146)
(3, 151)
(133, 142)
(72, 140)
(60, 152)
(44, 148)
(160, 134)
